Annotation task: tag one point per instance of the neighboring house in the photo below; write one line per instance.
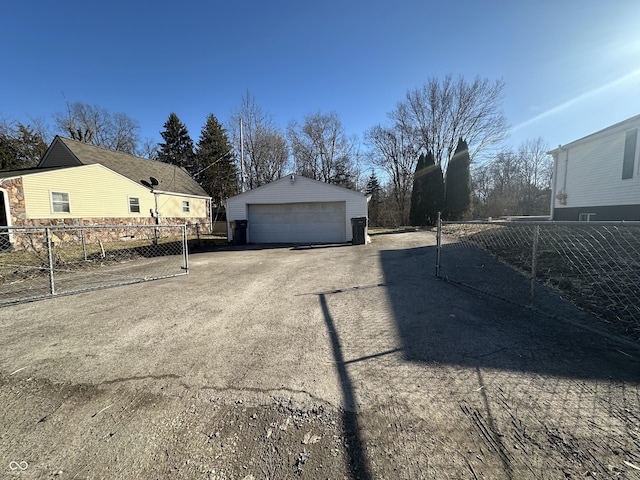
(80, 184)
(598, 177)
(295, 209)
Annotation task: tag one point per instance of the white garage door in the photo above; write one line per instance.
(297, 223)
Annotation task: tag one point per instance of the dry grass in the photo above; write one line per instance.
(595, 267)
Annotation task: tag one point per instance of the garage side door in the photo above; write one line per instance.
(297, 223)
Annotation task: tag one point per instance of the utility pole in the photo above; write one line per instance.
(241, 159)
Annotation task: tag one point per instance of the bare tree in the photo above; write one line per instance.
(322, 150)
(265, 154)
(441, 112)
(515, 182)
(148, 149)
(394, 149)
(123, 135)
(95, 125)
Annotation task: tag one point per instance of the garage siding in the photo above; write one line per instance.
(300, 190)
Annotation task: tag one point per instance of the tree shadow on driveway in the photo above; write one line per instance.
(357, 459)
(446, 324)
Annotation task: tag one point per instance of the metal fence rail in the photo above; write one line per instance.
(595, 265)
(38, 262)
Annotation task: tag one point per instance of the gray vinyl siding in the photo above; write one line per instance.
(594, 170)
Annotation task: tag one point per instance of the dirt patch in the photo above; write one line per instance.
(345, 362)
(594, 266)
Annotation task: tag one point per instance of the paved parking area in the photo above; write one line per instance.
(312, 362)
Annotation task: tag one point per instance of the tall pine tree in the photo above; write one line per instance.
(458, 192)
(418, 211)
(177, 148)
(433, 189)
(215, 167)
(373, 188)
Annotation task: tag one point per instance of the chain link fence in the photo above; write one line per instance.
(594, 265)
(38, 262)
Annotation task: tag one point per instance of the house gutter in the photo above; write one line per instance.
(175, 194)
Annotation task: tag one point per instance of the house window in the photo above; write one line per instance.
(134, 205)
(60, 202)
(629, 153)
(586, 217)
(185, 206)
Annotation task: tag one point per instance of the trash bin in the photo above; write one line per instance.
(358, 225)
(240, 232)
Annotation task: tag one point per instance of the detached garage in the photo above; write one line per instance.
(295, 209)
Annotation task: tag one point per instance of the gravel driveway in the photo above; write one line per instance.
(323, 362)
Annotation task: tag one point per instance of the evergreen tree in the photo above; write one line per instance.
(373, 188)
(22, 147)
(418, 212)
(433, 189)
(342, 175)
(215, 166)
(178, 146)
(458, 192)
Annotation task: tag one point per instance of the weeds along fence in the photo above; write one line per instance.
(38, 262)
(594, 265)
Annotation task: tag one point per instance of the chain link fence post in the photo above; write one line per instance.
(84, 244)
(185, 249)
(52, 284)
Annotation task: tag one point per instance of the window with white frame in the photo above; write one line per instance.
(586, 217)
(185, 206)
(134, 205)
(60, 202)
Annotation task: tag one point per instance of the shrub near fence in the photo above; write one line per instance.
(37, 262)
(595, 265)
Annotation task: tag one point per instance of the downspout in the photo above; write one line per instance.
(566, 169)
(554, 189)
(552, 206)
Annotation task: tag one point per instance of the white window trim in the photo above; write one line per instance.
(186, 206)
(68, 201)
(138, 199)
(587, 214)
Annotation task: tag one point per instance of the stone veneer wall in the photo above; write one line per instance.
(15, 192)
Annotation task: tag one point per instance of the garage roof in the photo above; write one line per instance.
(295, 179)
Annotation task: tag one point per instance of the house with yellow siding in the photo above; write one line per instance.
(80, 184)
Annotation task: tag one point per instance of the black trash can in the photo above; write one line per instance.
(358, 225)
(240, 232)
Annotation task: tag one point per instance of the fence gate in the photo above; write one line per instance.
(594, 265)
(39, 262)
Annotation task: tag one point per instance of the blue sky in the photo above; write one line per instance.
(571, 67)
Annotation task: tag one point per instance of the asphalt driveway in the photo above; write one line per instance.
(335, 361)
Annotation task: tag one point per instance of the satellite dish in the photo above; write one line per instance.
(154, 182)
(146, 184)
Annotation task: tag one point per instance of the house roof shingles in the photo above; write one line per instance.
(171, 178)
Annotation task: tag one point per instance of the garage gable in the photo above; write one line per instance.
(295, 209)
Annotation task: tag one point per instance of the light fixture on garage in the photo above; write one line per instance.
(292, 178)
